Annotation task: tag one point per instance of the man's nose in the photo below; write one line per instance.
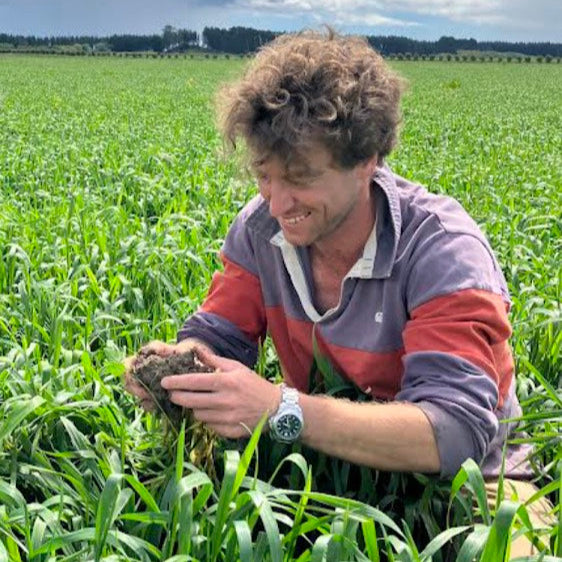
(280, 199)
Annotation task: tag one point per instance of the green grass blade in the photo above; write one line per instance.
(439, 541)
(499, 539)
(180, 452)
(470, 475)
(142, 492)
(269, 523)
(231, 464)
(37, 535)
(106, 513)
(558, 539)
(555, 396)
(244, 539)
(247, 455)
(18, 411)
(320, 548)
(3, 552)
(370, 538)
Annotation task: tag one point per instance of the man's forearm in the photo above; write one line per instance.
(396, 436)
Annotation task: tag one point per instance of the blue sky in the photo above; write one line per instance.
(506, 20)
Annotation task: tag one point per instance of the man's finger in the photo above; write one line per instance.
(194, 382)
(148, 405)
(200, 402)
(128, 363)
(158, 347)
(137, 390)
(231, 431)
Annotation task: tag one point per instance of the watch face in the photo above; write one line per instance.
(288, 427)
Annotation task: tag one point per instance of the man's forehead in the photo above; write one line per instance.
(295, 162)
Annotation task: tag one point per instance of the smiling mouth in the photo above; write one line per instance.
(295, 220)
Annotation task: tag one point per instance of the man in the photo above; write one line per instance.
(340, 260)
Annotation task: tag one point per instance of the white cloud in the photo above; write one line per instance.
(344, 12)
(499, 14)
(474, 11)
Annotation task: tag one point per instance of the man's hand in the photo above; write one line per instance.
(158, 348)
(231, 401)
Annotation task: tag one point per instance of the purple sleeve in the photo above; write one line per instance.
(226, 339)
(458, 399)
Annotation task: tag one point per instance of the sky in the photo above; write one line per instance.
(502, 20)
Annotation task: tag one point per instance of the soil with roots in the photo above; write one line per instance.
(149, 368)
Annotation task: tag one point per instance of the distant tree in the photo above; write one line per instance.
(127, 43)
(236, 40)
(102, 47)
(186, 39)
(169, 37)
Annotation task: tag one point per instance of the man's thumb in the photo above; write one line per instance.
(214, 361)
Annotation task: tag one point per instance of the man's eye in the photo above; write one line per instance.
(300, 182)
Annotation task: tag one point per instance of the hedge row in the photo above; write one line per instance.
(404, 57)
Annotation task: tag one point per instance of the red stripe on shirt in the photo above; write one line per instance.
(235, 294)
(471, 324)
(378, 374)
(293, 343)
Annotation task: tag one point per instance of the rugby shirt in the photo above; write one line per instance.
(422, 317)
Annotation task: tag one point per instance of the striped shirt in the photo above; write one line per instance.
(422, 317)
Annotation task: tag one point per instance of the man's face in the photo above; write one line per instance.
(313, 200)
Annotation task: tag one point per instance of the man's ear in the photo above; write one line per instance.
(367, 168)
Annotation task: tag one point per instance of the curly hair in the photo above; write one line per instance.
(314, 87)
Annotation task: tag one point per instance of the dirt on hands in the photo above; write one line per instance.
(149, 368)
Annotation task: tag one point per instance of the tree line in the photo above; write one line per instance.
(243, 40)
(170, 40)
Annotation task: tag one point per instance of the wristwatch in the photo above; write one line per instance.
(287, 423)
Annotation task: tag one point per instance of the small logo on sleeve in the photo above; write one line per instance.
(378, 317)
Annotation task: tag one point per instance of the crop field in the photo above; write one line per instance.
(115, 195)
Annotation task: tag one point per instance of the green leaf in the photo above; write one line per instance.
(550, 390)
(320, 548)
(499, 538)
(231, 463)
(18, 411)
(247, 455)
(107, 511)
(471, 475)
(37, 535)
(142, 492)
(180, 452)
(244, 539)
(269, 523)
(3, 553)
(441, 539)
(474, 544)
(370, 539)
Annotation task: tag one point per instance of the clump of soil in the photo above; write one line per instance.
(149, 368)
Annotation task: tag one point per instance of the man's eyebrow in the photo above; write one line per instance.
(256, 163)
(304, 172)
